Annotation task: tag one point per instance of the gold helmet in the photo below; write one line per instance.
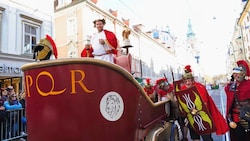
(45, 48)
(243, 69)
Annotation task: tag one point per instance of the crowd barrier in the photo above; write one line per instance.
(13, 126)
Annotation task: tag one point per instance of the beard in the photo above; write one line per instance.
(240, 78)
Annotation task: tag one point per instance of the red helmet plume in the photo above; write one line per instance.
(187, 69)
(245, 67)
(54, 49)
(148, 80)
(188, 72)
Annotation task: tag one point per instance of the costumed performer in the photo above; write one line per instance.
(104, 43)
(218, 120)
(238, 96)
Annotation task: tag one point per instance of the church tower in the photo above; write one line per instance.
(191, 42)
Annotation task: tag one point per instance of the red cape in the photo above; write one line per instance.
(219, 121)
(112, 40)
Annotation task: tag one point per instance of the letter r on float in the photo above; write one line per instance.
(74, 81)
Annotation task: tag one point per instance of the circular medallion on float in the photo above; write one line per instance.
(111, 106)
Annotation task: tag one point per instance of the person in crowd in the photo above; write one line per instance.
(4, 94)
(238, 96)
(3, 113)
(163, 89)
(10, 89)
(12, 103)
(87, 51)
(3, 117)
(217, 118)
(149, 89)
(103, 43)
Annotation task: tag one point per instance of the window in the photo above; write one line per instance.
(71, 26)
(30, 37)
(60, 2)
(63, 2)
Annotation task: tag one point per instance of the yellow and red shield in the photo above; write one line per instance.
(195, 110)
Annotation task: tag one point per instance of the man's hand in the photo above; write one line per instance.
(101, 41)
(87, 47)
(2, 108)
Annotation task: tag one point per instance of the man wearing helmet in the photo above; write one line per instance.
(238, 96)
(218, 120)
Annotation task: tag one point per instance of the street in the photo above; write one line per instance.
(219, 98)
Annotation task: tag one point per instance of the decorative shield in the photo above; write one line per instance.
(195, 110)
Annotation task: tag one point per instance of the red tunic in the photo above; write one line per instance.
(243, 92)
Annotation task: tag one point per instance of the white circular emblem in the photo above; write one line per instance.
(111, 106)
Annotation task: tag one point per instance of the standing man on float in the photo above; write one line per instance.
(103, 43)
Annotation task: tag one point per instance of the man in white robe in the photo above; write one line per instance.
(103, 43)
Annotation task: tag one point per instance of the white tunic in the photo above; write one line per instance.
(100, 49)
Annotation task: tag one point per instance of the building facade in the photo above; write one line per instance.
(239, 46)
(22, 24)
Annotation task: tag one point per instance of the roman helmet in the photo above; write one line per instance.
(243, 68)
(162, 82)
(44, 49)
(187, 73)
(148, 84)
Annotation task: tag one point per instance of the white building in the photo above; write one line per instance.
(22, 24)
